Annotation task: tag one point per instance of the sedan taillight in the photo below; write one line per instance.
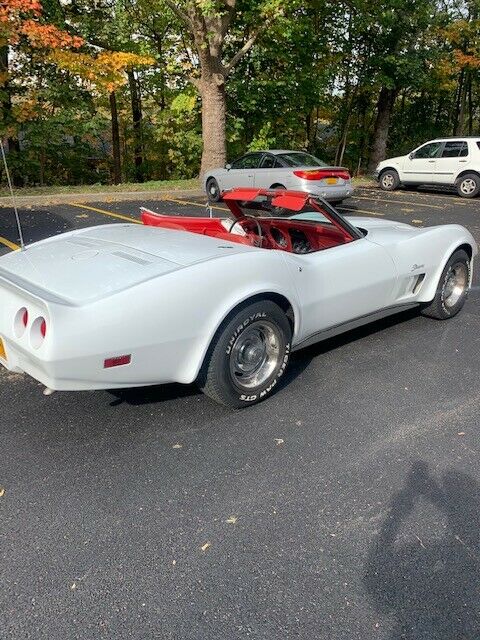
(321, 174)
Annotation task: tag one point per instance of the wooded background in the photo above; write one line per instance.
(106, 91)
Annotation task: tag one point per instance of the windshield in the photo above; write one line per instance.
(314, 211)
(300, 159)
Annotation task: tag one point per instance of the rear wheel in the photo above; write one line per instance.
(213, 190)
(277, 187)
(452, 288)
(468, 186)
(248, 356)
(389, 180)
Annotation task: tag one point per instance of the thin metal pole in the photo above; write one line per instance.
(9, 181)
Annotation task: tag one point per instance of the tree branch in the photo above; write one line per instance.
(178, 12)
(246, 47)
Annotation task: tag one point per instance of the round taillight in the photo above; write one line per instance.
(38, 332)
(21, 321)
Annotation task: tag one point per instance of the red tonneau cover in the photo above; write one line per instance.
(294, 200)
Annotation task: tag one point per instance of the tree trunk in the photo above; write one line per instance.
(385, 103)
(117, 165)
(137, 124)
(214, 154)
(458, 101)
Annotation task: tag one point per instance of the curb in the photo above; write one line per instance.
(68, 198)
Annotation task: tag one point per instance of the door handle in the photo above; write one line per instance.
(432, 160)
(463, 160)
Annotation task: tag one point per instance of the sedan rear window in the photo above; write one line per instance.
(300, 159)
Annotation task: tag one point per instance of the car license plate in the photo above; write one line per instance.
(3, 353)
(331, 180)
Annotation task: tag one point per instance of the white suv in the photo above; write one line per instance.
(445, 161)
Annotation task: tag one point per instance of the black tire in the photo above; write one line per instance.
(276, 187)
(447, 302)
(389, 180)
(239, 355)
(213, 190)
(468, 185)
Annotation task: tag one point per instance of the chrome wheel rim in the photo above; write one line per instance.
(468, 186)
(456, 284)
(387, 181)
(255, 355)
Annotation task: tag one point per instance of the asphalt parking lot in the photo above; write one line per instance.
(347, 506)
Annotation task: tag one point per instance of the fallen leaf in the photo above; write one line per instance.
(2, 492)
(231, 520)
(461, 433)
(279, 441)
(417, 221)
(298, 423)
(177, 446)
(74, 586)
(82, 215)
(174, 562)
(205, 546)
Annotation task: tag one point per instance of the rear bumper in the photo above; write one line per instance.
(150, 365)
(327, 192)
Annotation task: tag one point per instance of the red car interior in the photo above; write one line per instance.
(284, 234)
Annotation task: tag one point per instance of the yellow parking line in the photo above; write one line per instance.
(10, 245)
(194, 204)
(120, 216)
(370, 213)
(413, 204)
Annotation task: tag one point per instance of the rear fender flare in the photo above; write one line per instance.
(191, 369)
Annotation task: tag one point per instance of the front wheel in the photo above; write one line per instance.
(213, 190)
(389, 180)
(248, 356)
(452, 288)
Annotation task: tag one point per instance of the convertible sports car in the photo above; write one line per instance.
(222, 302)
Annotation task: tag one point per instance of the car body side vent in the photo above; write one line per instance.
(418, 283)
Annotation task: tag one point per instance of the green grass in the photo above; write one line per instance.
(153, 185)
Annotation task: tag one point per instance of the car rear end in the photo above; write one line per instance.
(331, 183)
(25, 330)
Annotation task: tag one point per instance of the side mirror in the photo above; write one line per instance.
(411, 156)
(228, 166)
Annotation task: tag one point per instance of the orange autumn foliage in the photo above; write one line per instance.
(105, 71)
(23, 18)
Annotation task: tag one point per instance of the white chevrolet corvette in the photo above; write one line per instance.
(222, 302)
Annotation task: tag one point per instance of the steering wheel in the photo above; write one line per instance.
(247, 220)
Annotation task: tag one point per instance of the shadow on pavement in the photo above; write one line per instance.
(431, 588)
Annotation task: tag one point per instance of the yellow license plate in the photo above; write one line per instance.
(3, 353)
(332, 180)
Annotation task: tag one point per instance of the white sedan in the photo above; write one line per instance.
(222, 302)
(280, 169)
(448, 162)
